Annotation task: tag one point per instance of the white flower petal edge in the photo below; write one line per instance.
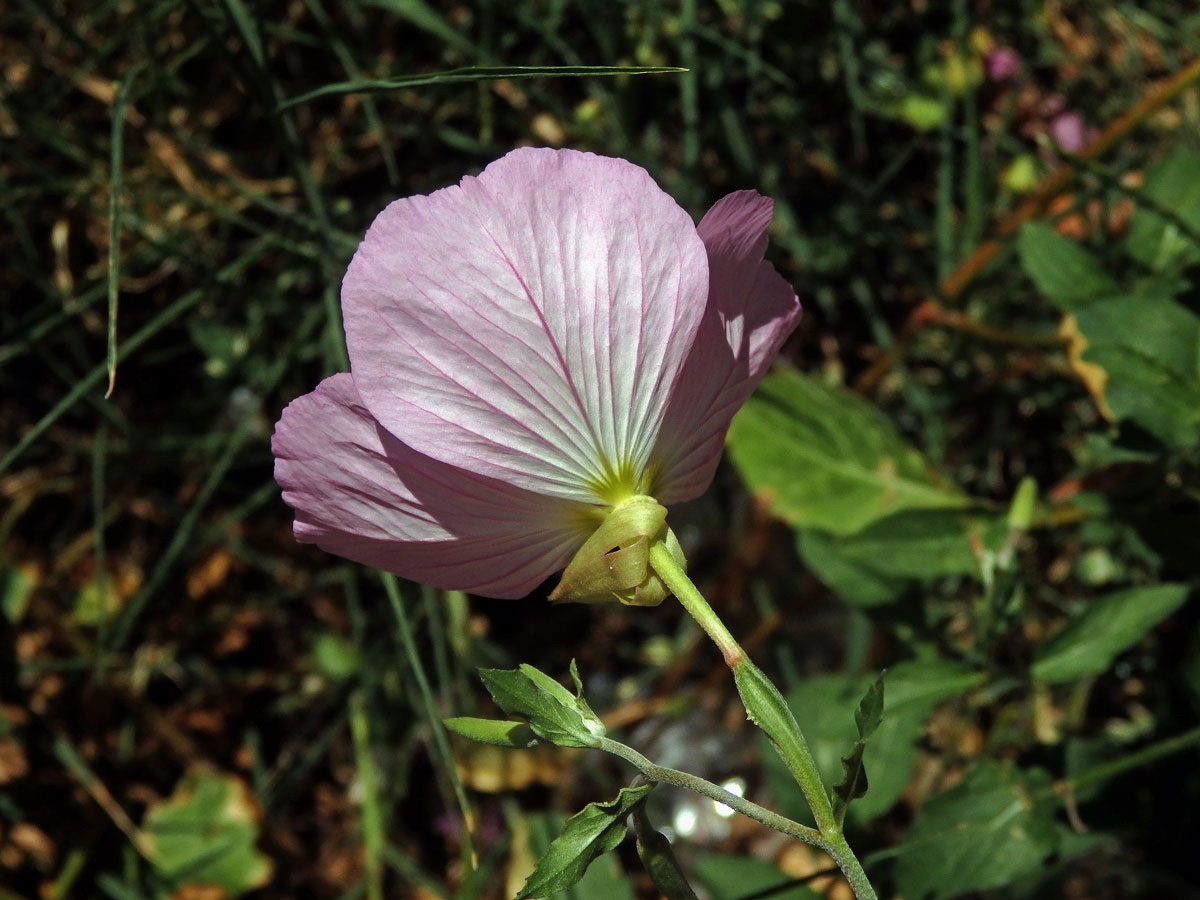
(751, 311)
(360, 493)
(529, 324)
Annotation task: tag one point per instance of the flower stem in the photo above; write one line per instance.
(767, 709)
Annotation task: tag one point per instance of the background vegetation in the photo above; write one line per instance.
(985, 480)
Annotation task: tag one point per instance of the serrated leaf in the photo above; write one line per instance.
(493, 731)
(1108, 626)
(825, 458)
(854, 783)
(552, 711)
(1064, 273)
(591, 832)
(205, 834)
(870, 709)
(996, 825)
(913, 690)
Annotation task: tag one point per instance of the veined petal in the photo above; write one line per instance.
(360, 493)
(528, 324)
(751, 311)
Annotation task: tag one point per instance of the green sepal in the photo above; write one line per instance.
(493, 731)
(553, 712)
(614, 563)
(589, 834)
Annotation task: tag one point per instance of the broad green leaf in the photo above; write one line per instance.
(1149, 351)
(662, 866)
(492, 731)
(1064, 273)
(470, 74)
(874, 566)
(996, 825)
(824, 706)
(553, 712)
(591, 832)
(857, 583)
(204, 834)
(825, 458)
(1158, 241)
(1107, 627)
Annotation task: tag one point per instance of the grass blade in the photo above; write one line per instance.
(469, 74)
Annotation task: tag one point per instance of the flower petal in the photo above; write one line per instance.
(751, 311)
(360, 493)
(528, 324)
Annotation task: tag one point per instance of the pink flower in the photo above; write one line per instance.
(1003, 64)
(529, 349)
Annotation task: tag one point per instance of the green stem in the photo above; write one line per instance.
(769, 711)
(715, 792)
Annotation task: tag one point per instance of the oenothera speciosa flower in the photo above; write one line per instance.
(540, 358)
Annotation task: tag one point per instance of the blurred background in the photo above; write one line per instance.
(977, 466)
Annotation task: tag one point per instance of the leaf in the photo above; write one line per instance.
(204, 834)
(876, 565)
(493, 731)
(854, 782)
(1064, 273)
(591, 832)
(1160, 241)
(469, 74)
(736, 877)
(1107, 627)
(552, 711)
(1148, 350)
(822, 704)
(825, 458)
(996, 825)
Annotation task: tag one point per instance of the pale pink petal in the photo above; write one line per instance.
(360, 493)
(751, 311)
(528, 324)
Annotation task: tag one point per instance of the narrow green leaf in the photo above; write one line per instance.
(854, 782)
(469, 74)
(985, 832)
(492, 731)
(1110, 625)
(590, 833)
(1064, 273)
(825, 458)
(870, 709)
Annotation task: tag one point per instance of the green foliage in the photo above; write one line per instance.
(992, 828)
(517, 735)
(204, 836)
(1163, 234)
(736, 877)
(854, 780)
(1149, 350)
(1106, 627)
(823, 704)
(825, 458)
(1066, 274)
(591, 832)
(553, 712)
